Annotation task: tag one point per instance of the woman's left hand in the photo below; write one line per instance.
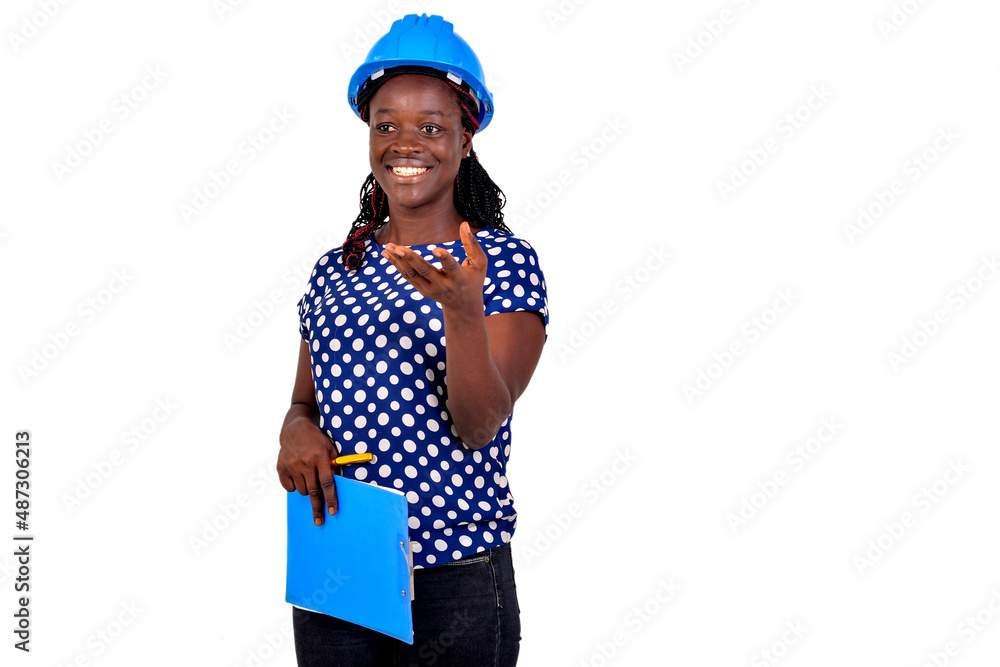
(454, 285)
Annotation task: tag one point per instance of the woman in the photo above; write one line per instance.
(418, 336)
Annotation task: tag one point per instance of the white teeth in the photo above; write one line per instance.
(408, 171)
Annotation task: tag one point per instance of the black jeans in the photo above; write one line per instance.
(464, 613)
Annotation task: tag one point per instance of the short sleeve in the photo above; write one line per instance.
(303, 315)
(314, 292)
(516, 281)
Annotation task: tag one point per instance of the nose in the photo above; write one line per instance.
(406, 141)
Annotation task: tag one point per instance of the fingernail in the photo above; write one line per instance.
(319, 521)
(333, 510)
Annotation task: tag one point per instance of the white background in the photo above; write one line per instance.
(662, 135)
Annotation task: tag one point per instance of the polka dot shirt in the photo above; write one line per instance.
(378, 356)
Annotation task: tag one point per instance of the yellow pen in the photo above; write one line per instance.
(352, 458)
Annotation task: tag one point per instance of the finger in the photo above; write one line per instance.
(287, 481)
(389, 257)
(404, 269)
(329, 486)
(414, 267)
(301, 485)
(448, 261)
(317, 499)
(473, 250)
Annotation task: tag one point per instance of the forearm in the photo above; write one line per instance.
(478, 398)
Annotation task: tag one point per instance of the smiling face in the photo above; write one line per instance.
(416, 141)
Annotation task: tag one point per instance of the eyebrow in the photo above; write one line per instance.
(426, 112)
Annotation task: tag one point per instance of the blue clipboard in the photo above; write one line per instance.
(358, 565)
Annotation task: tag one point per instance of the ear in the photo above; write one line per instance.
(466, 140)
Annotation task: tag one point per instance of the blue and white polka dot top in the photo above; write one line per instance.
(378, 356)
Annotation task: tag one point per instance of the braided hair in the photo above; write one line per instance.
(477, 198)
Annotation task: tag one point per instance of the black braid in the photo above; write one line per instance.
(477, 198)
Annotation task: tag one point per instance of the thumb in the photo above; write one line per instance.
(474, 255)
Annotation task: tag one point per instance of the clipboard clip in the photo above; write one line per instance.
(408, 555)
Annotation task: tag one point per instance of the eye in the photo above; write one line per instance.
(382, 127)
(431, 129)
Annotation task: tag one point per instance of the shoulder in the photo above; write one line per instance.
(328, 264)
(514, 279)
(327, 269)
(502, 248)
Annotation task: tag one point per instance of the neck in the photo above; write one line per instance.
(421, 226)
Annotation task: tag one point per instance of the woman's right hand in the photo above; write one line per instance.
(304, 461)
(304, 465)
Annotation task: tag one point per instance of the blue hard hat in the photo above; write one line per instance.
(424, 41)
